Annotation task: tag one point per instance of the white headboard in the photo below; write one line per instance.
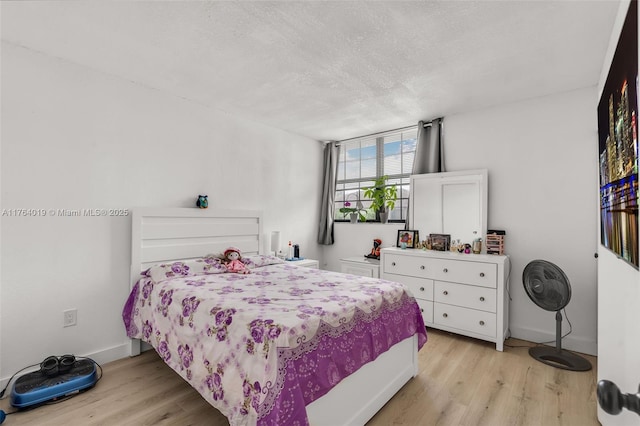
(170, 234)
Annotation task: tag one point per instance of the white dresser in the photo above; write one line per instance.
(461, 293)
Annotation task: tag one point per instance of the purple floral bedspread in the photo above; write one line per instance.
(260, 347)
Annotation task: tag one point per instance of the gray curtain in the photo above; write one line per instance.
(429, 152)
(325, 227)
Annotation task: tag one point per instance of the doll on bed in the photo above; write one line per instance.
(232, 261)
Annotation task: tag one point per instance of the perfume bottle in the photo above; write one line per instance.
(477, 246)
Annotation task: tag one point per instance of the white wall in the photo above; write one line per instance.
(541, 155)
(75, 138)
(618, 298)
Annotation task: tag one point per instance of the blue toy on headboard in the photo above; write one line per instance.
(202, 202)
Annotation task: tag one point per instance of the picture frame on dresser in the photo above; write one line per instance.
(407, 238)
(440, 242)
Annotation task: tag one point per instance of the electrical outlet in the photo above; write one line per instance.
(70, 317)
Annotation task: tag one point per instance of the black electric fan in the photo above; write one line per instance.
(549, 288)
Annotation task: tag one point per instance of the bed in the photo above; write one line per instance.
(282, 344)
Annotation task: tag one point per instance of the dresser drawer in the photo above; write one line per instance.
(467, 296)
(416, 266)
(479, 322)
(474, 273)
(420, 288)
(426, 307)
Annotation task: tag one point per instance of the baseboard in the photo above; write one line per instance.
(570, 342)
(110, 354)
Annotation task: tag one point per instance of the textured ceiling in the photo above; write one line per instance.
(329, 70)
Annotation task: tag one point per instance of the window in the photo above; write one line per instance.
(364, 159)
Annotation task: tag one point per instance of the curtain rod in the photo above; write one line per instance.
(428, 124)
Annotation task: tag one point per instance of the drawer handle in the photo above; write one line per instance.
(445, 315)
(422, 267)
(421, 288)
(445, 292)
(482, 298)
(445, 270)
(482, 274)
(393, 263)
(481, 322)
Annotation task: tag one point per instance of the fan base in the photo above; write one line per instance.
(560, 358)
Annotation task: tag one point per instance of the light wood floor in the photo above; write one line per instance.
(461, 381)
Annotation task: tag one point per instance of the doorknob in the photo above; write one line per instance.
(613, 401)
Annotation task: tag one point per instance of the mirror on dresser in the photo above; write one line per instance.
(453, 203)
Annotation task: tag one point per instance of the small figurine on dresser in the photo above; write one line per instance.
(375, 251)
(232, 261)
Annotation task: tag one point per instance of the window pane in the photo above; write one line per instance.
(392, 155)
(368, 149)
(395, 213)
(363, 160)
(352, 186)
(407, 162)
(352, 169)
(409, 141)
(351, 160)
(399, 151)
(352, 197)
(403, 206)
(340, 170)
(395, 181)
(368, 168)
(403, 191)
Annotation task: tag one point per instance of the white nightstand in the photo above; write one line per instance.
(360, 266)
(308, 263)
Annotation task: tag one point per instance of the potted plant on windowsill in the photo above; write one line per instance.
(382, 197)
(353, 212)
